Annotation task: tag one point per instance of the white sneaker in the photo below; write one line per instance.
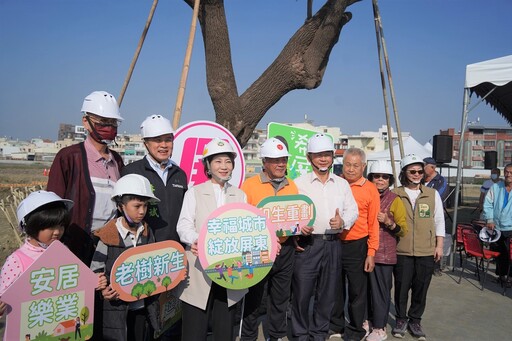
(377, 334)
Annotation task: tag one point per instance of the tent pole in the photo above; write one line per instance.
(459, 169)
(465, 112)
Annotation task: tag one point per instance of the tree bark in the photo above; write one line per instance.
(300, 65)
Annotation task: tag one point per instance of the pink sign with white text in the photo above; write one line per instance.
(189, 142)
(53, 299)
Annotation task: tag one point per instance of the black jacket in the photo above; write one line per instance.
(162, 216)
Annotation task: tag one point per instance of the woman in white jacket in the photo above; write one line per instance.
(204, 300)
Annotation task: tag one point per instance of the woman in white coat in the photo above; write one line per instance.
(204, 300)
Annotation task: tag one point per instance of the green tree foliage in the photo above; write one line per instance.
(149, 288)
(84, 314)
(166, 282)
(137, 290)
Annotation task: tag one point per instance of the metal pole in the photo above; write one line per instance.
(186, 64)
(137, 52)
(459, 168)
(460, 164)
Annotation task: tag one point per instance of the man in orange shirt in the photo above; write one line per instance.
(359, 246)
(272, 181)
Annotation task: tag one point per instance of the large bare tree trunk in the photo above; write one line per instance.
(300, 65)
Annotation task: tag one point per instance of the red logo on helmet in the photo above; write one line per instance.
(280, 146)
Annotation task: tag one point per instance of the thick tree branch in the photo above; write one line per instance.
(300, 65)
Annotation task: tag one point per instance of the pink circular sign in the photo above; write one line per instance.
(189, 142)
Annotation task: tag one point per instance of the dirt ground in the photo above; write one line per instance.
(16, 179)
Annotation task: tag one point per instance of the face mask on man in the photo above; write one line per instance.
(103, 133)
(106, 133)
(494, 176)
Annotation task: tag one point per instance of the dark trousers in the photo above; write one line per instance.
(137, 325)
(379, 294)
(353, 259)
(503, 246)
(412, 274)
(278, 286)
(195, 320)
(317, 271)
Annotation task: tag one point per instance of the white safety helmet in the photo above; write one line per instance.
(217, 146)
(409, 160)
(155, 125)
(273, 148)
(134, 184)
(35, 200)
(489, 236)
(320, 143)
(102, 104)
(381, 167)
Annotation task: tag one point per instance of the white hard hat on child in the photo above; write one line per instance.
(134, 184)
(409, 160)
(320, 143)
(218, 146)
(37, 199)
(381, 167)
(155, 125)
(273, 148)
(102, 104)
(489, 236)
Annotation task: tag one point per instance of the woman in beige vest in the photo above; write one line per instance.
(204, 300)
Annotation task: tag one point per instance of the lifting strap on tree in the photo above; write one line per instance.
(137, 52)
(186, 65)
(381, 46)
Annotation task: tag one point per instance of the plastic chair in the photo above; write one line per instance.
(474, 248)
(508, 270)
(459, 243)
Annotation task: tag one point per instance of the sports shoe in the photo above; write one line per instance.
(366, 327)
(377, 334)
(417, 331)
(400, 328)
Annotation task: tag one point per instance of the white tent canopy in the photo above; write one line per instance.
(491, 80)
(411, 146)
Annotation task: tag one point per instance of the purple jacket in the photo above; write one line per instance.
(386, 254)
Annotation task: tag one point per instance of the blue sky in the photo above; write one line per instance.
(55, 52)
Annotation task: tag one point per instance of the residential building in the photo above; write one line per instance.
(481, 139)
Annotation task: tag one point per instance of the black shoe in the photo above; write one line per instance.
(400, 328)
(416, 330)
(438, 273)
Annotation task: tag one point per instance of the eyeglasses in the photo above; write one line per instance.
(413, 171)
(381, 176)
(160, 139)
(106, 122)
